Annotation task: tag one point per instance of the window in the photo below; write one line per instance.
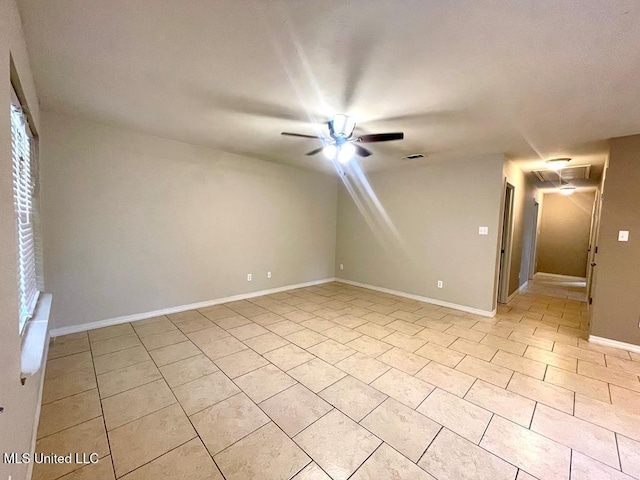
(25, 196)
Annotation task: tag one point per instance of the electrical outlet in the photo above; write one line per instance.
(623, 236)
(342, 266)
(483, 231)
(249, 277)
(440, 284)
(268, 274)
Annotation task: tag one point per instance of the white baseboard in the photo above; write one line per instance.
(563, 277)
(523, 286)
(607, 342)
(441, 303)
(56, 332)
(519, 290)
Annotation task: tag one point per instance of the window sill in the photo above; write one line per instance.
(35, 337)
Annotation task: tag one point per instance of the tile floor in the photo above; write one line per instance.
(337, 382)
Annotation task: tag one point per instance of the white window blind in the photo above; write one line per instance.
(25, 202)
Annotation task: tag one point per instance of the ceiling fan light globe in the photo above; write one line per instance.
(343, 125)
(346, 153)
(330, 151)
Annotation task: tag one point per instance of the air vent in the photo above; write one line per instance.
(414, 156)
(581, 172)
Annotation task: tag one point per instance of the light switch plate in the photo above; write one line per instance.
(623, 236)
(483, 231)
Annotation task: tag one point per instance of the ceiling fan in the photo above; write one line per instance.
(342, 144)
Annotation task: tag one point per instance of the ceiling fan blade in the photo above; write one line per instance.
(363, 152)
(317, 150)
(299, 135)
(380, 137)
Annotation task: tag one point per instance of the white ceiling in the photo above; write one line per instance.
(531, 78)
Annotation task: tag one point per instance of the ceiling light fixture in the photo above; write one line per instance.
(558, 163)
(330, 151)
(342, 125)
(567, 190)
(346, 153)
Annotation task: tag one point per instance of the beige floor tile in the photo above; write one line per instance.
(216, 312)
(405, 342)
(102, 347)
(306, 338)
(80, 363)
(466, 333)
(379, 318)
(288, 357)
(362, 367)
(374, 330)
(337, 444)
(161, 325)
(620, 364)
(182, 317)
(504, 344)
(207, 335)
(264, 382)
(578, 383)
(404, 429)
(267, 454)
(616, 352)
(520, 364)
(510, 405)
(456, 414)
(124, 358)
(204, 392)
(586, 468)
(406, 389)
(318, 324)
(483, 352)
(316, 374)
(102, 470)
(233, 321)
(285, 327)
(341, 334)
(629, 456)
(492, 329)
(311, 472)
(369, 346)
(268, 318)
(145, 439)
(522, 475)
(173, 353)
(110, 332)
(87, 438)
(543, 392)
(440, 354)
(223, 347)
(69, 411)
(580, 353)
(542, 457)
(550, 358)
(577, 434)
(559, 338)
(405, 327)
(446, 378)
(295, 409)
(135, 403)
(387, 464)
(66, 385)
(529, 339)
(627, 399)
(188, 369)
(489, 372)
(609, 375)
(240, 363)
(353, 397)
(189, 461)
(299, 316)
(160, 340)
(349, 321)
(402, 360)
(249, 330)
(127, 378)
(331, 351)
(434, 336)
(265, 343)
(608, 416)
(451, 457)
(227, 422)
(61, 346)
(194, 325)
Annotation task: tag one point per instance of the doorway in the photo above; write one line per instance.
(505, 248)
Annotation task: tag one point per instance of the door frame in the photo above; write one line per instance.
(506, 242)
(533, 254)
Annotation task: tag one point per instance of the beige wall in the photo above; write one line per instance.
(616, 304)
(136, 223)
(436, 211)
(19, 402)
(564, 233)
